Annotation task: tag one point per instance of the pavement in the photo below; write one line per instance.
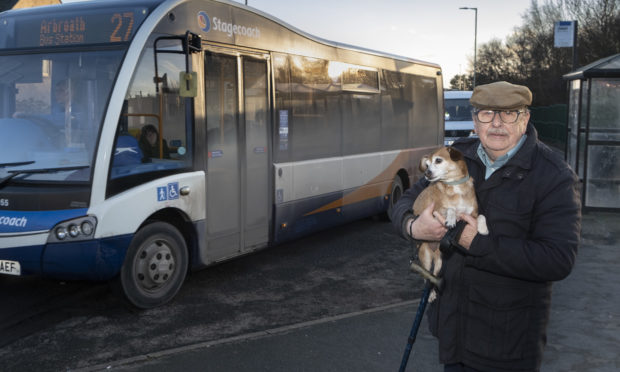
(583, 333)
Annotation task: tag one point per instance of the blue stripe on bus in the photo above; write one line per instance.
(299, 223)
(25, 221)
(99, 259)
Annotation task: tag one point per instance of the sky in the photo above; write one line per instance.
(434, 31)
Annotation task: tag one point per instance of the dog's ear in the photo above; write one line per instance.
(423, 166)
(455, 155)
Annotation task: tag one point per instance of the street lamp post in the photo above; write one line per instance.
(475, 37)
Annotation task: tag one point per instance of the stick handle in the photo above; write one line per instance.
(426, 274)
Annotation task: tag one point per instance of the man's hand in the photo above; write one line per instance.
(469, 232)
(429, 226)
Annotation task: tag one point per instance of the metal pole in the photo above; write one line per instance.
(475, 42)
(575, 58)
(475, 38)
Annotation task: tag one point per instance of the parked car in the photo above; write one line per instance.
(457, 115)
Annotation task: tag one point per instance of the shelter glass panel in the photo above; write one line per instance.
(605, 110)
(603, 181)
(573, 121)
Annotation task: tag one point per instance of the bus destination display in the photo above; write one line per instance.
(71, 28)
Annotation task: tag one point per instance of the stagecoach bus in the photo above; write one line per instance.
(143, 139)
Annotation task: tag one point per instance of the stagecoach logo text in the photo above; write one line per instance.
(13, 221)
(229, 29)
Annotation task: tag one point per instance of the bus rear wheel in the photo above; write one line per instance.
(155, 266)
(395, 193)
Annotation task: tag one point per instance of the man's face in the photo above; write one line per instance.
(498, 137)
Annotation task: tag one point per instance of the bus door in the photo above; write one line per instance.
(238, 117)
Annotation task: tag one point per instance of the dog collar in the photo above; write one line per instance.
(457, 182)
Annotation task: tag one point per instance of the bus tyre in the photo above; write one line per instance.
(155, 266)
(395, 193)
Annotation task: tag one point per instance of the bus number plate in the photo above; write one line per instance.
(10, 267)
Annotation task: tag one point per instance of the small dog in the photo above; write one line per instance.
(453, 192)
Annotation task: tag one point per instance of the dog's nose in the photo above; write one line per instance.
(428, 174)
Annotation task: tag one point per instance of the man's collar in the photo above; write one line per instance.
(499, 162)
(523, 158)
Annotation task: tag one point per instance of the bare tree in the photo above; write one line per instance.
(528, 56)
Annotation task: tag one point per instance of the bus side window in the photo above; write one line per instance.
(153, 121)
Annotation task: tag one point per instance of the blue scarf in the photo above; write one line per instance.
(492, 166)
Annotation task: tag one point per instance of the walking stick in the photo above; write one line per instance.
(446, 245)
(416, 325)
(430, 282)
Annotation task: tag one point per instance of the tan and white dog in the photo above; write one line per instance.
(453, 192)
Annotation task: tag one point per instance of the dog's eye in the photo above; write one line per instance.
(438, 160)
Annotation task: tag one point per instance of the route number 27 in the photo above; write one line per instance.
(123, 24)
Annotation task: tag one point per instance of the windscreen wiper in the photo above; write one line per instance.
(4, 165)
(15, 173)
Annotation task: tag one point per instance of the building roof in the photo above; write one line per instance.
(18, 4)
(605, 67)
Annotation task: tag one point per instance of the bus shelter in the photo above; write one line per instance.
(593, 146)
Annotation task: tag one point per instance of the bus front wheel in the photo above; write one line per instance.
(155, 266)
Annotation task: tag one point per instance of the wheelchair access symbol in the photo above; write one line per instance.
(169, 192)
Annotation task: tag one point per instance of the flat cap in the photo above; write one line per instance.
(501, 96)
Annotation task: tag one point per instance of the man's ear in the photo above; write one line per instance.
(455, 155)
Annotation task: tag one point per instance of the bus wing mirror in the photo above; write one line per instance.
(188, 84)
(193, 43)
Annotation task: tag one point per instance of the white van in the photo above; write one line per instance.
(457, 115)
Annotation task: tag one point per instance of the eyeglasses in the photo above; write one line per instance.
(507, 116)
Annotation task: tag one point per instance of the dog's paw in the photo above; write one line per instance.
(432, 296)
(483, 229)
(450, 218)
(450, 222)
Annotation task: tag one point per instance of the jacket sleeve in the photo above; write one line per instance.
(403, 209)
(548, 250)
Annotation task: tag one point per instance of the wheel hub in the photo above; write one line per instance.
(155, 265)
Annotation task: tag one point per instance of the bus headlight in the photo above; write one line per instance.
(87, 228)
(74, 231)
(81, 228)
(61, 232)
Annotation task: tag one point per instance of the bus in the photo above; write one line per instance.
(459, 122)
(142, 140)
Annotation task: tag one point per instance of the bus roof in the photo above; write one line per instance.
(321, 40)
(19, 34)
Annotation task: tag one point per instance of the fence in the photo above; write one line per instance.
(550, 122)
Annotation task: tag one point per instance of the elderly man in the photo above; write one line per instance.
(493, 309)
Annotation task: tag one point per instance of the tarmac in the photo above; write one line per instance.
(583, 333)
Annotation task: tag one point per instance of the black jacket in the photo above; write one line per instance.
(494, 308)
